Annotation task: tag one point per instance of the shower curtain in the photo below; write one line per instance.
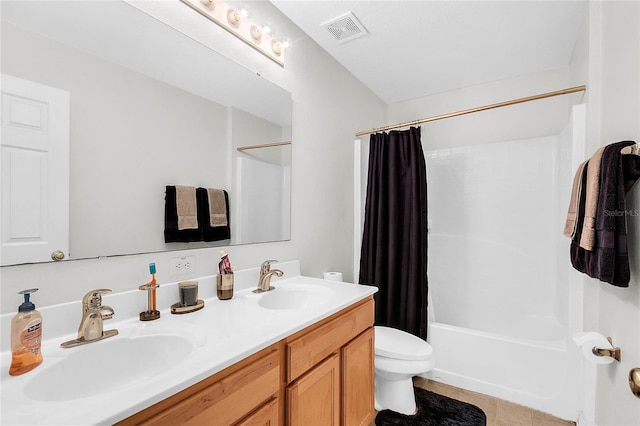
(394, 242)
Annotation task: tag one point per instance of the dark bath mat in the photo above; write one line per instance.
(435, 410)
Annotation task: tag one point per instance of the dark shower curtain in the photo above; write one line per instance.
(394, 242)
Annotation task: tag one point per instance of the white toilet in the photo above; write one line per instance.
(398, 357)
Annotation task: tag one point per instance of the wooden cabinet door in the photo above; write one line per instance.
(314, 399)
(358, 380)
(267, 415)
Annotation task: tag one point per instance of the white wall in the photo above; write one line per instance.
(248, 130)
(532, 119)
(329, 106)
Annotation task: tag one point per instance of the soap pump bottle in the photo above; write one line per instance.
(26, 336)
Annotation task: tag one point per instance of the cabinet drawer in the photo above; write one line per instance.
(305, 351)
(226, 400)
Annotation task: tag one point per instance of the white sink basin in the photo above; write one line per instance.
(295, 297)
(109, 364)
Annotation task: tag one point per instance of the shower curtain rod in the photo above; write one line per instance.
(477, 109)
(264, 145)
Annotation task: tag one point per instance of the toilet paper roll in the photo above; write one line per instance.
(588, 341)
(332, 276)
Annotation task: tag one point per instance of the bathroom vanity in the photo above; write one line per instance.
(300, 354)
(322, 374)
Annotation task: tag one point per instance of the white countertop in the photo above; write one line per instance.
(224, 332)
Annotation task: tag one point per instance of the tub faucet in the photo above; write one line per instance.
(264, 282)
(91, 324)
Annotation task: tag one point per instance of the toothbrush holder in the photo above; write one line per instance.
(150, 314)
(225, 286)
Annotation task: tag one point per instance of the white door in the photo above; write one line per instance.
(34, 186)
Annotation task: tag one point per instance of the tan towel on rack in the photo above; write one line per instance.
(572, 213)
(217, 207)
(186, 207)
(588, 237)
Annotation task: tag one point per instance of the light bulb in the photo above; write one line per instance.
(256, 33)
(233, 17)
(276, 47)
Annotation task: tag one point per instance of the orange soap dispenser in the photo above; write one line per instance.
(26, 336)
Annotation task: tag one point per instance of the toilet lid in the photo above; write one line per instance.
(398, 344)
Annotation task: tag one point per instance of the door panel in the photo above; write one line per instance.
(34, 184)
(314, 399)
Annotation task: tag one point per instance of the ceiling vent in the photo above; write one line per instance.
(345, 28)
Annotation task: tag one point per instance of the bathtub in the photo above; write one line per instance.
(535, 374)
(503, 336)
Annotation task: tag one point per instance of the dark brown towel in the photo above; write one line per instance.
(631, 168)
(171, 232)
(212, 233)
(609, 261)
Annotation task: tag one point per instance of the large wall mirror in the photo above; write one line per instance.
(151, 107)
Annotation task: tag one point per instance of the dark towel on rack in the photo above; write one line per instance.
(631, 169)
(609, 261)
(172, 233)
(212, 233)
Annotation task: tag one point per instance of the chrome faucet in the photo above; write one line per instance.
(264, 282)
(93, 315)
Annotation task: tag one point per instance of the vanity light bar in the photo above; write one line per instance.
(232, 20)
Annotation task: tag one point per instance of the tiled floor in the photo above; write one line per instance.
(499, 412)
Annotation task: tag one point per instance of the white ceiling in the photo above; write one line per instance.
(413, 49)
(417, 48)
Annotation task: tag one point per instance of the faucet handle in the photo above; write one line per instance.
(266, 266)
(93, 299)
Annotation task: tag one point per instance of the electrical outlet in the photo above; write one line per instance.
(188, 262)
(182, 265)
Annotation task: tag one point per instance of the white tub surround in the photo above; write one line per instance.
(502, 323)
(223, 333)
